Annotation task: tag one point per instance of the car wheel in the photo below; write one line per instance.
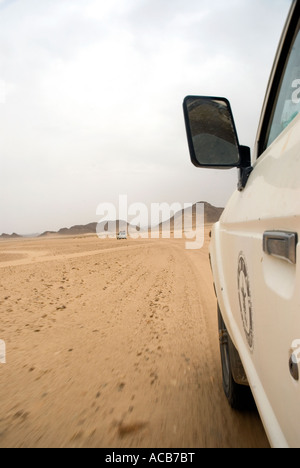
(239, 396)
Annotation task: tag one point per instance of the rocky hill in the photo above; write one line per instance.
(10, 236)
(91, 228)
(211, 215)
(73, 231)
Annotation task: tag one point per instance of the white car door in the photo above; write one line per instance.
(258, 241)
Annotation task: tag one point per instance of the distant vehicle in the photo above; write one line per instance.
(254, 248)
(122, 235)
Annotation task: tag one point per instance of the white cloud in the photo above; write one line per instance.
(101, 10)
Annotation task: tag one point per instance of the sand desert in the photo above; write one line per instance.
(113, 344)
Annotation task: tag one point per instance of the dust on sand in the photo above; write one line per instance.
(113, 344)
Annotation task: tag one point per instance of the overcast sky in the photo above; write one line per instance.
(91, 98)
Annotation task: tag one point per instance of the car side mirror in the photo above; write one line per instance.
(212, 136)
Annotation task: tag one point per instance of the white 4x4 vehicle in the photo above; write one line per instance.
(254, 249)
(122, 235)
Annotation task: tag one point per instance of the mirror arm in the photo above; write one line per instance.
(245, 167)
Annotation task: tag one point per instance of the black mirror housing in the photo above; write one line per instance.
(211, 132)
(212, 136)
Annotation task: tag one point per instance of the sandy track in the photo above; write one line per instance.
(112, 344)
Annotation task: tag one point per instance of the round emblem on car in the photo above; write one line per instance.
(245, 299)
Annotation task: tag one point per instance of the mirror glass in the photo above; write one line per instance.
(211, 132)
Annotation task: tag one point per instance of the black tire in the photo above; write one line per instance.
(239, 396)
